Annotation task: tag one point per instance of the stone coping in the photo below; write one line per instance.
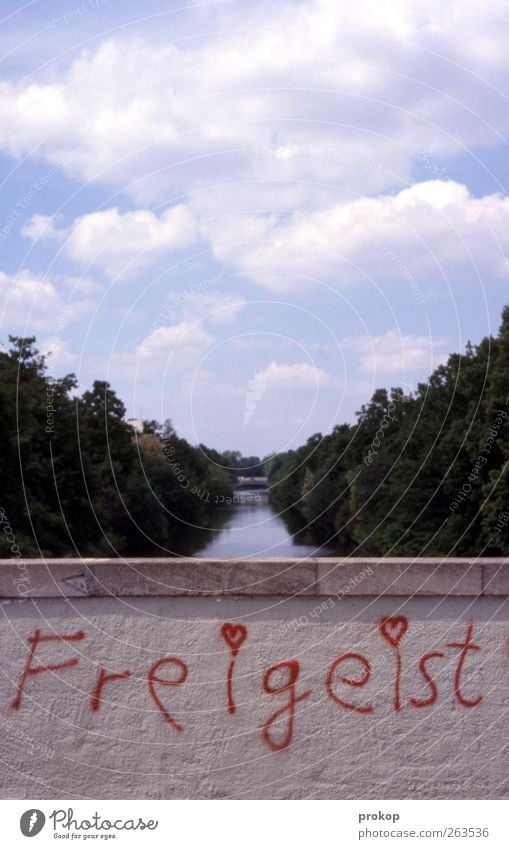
(310, 576)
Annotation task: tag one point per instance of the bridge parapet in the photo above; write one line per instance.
(244, 482)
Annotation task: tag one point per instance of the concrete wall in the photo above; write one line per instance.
(256, 679)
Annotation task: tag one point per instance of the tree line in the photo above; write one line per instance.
(77, 479)
(420, 473)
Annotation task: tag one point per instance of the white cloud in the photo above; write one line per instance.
(59, 356)
(83, 285)
(121, 243)
(214, 308)
(159, 374)
(429, 230)
(185, 341)
(292, 376)
(210, 386)
(42, 227)
(329, 107)
(394, 353)
(33, 304)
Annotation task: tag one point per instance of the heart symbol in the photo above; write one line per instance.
(234, 635)
(393, 629)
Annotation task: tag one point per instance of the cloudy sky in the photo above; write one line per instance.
(248, 216)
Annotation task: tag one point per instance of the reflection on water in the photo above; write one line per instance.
(252, 528)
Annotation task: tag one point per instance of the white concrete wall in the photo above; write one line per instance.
(424, 726)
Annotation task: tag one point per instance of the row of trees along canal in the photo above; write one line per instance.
(425, 473)
(419, 473)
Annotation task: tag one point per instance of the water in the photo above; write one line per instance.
(254, 529)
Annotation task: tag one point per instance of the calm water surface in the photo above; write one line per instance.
(254, 529)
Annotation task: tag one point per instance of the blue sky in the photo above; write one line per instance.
(249, 216)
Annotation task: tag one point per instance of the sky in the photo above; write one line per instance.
(248, 216)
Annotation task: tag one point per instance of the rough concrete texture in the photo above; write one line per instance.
(419, 709)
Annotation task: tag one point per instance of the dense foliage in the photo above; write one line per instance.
(425, 473)
(418, 474)
(76, 478)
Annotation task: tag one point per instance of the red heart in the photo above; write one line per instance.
(393, 629)
(234, 635)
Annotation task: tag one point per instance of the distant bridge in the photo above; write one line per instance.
(252, 483)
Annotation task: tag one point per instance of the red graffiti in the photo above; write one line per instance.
(465, 647)
(420, 703)
(349, 682)
(102, 678)
(49, 667)
(393, 629)
(234, 636)
(293, 668)
(152, 679)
